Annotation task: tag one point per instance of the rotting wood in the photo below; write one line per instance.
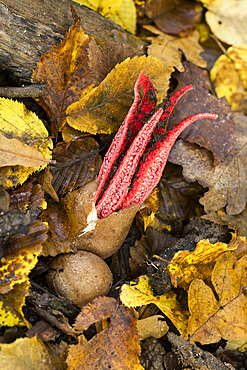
(29, 28)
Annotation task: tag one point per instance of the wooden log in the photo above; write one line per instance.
(30, 27)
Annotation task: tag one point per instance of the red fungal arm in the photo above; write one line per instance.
(151, 170)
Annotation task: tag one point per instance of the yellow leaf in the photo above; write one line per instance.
(25, 353)
(225, 316)
(237, 345)
(186, 266)
(140, 294)
(227, 20)
(104, 108)
(122, 12)
(16, 266)
(11, 305)
(22, 125)
(169, 48)
(229, 74)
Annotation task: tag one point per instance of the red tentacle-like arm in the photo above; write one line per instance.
(138, 154)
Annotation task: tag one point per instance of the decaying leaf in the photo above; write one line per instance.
(174, 17)
(104, 108)
(226, 181)
(230, 78)
(104, 54)
(237, 345)
(11, 305)
(24, 141)
(225, 317)
(31, 352)
(227, 20)
(152, 326)
(169, 48)
(21, 255)
(114, 347)
(76, 164)
(187, 266)
(140, 294)
(214, 135)
(122, 12)
(64, 70)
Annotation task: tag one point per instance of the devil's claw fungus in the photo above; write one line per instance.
(137, 156)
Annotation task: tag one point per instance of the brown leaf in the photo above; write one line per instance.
(178, 198)
(214, 135)
(152, 326)
(104, 54)
(60, 233)
(115, 347)
(64, 70)
(170, 49)
(174, 17)
(76, 164)
(226, 181)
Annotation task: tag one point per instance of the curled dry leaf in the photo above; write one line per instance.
(115, 347)
(216, 136)
(169, 49)
(225, 317)
(226, 181)
(24, 142)
(174, 17)
(230, 79)
(76, 164)
(108, 235)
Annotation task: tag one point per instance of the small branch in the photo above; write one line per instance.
(30, 91)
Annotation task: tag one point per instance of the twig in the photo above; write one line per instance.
(30, 91)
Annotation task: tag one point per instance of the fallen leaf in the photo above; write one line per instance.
(227, 20)
(23, 351)
(226, 181)
(170, 49)
(24, 140)
(115, 347)
(230, 78)
(214, 135)
(122, 12)
(152, 326)
(76, 164)
(174, 17)
(21, 255)
(236, 345)
(187, 266)
(11, 305)
(224, 317)
(64, 70)
(140, 294)
(104, 108)
(104, 54)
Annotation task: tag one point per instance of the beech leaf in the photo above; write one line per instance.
(140, 294)
(115, 347)
(104, 108)
(224, 317)
(23, 141)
